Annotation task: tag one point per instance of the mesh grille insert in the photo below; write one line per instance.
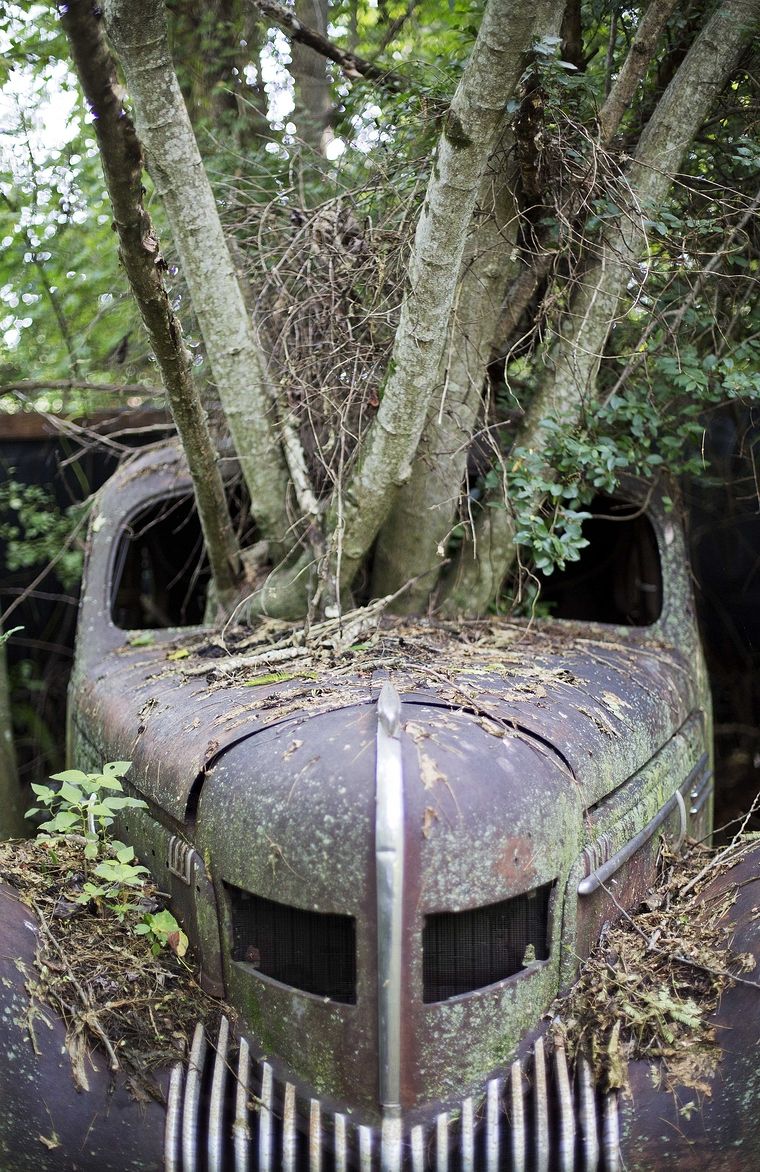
(463, 951)
(312, 951)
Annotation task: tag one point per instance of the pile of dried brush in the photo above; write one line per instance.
(93, 972)
(649, 988)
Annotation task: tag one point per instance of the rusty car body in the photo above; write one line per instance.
(391, 865)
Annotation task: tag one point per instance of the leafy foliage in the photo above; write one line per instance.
(85, 804)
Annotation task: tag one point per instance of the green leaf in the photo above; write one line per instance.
(142, 639)
(117, 768)
(73, 775)
(71, 793)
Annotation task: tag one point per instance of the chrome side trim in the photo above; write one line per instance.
(173, 1129)
(241, 1132)
(389, 865)
(180, 858)
(540, 1107)
(190, 1129)
(265, 1120)
(604, 873)
(216, 1106)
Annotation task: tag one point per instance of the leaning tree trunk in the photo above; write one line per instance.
(11, 814)
(470, 129)
(573, 362)
(137, 30)
(411, 544)
(122, 162)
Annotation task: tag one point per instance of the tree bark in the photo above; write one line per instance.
(573, 361)
(314, 105)
(137, 30)
(412, 540)
(11, 813)
(469, 134)
(122, 162)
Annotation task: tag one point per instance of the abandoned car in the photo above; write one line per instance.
(391, 850)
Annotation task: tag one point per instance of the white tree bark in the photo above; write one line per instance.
(411, 543)
(575, 357)
(137, 31)
(470, 129)
(11, 814)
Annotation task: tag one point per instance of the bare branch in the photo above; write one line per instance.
(352, 65)
(639, 58)
(25, 386)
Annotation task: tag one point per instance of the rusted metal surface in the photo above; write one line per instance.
(46, 1124)
(527, 783)
(604, 701)
(715, 1127)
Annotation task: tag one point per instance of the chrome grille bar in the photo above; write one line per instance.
(289, 1129)
(190, 1123)
(216, 1110)
(250, 1121)
(241, 1132)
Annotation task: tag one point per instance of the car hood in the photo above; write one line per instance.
(599, 701)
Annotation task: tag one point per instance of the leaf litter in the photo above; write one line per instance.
(102, 980)
(649, 988)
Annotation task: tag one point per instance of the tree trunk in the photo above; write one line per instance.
(122, 162)
(313, 98)
(469, 134)
(411, 543)
(137, 30)
(11, 813)
(573, 361)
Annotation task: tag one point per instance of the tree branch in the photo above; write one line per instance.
(122, 162)
(352, 65)
(470, 130)
(574, 359)
(24, 386)
(639, 58)
(138, 31)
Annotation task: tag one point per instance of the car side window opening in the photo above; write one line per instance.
(160, 572)
(618, 578)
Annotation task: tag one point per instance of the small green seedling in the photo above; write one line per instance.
(85, 804)
(79, 805)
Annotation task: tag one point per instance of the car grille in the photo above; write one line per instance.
(463, 951)
(312, 951)
(227, 1112)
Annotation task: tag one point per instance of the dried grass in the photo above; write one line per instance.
(91, 970)
(649, 988)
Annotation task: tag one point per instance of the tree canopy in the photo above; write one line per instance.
(440, 272)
